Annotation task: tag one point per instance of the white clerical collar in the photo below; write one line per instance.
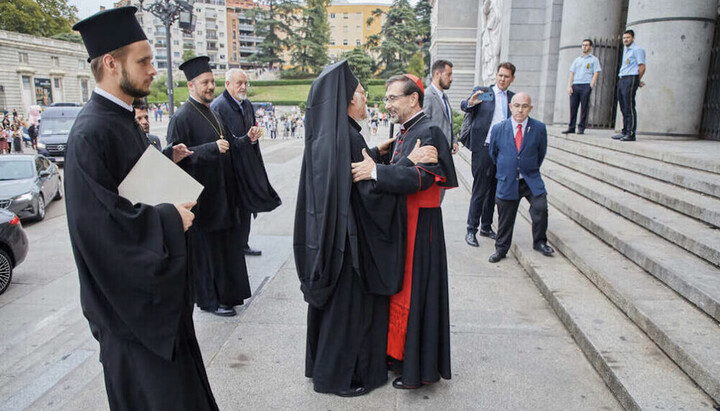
(114, 99)
(402, 126)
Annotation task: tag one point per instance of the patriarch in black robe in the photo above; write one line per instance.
(135, 288)
(348, 243)
(419, 330)
(218, 265)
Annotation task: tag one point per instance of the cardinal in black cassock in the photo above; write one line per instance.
(348, 243)
(419, 330)
(216, 260)
(135, 288)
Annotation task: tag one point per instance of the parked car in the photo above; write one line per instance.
(13, 247)
(55, 125)
(27, 183)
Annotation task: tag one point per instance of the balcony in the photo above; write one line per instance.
(210, 14)
(250, 39)
(246, 27)
(247, 49)
(211, 26)
(211, 36)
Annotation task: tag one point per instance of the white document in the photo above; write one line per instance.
(155, 179)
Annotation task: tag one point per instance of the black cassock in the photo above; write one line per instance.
(419, 328)
(135, 289)
(216, 258)
(348, 243)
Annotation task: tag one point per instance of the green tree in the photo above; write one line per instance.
(71, 37)
(423, 11)
(188, 54)
(310, 46)
(360, 63)
(274, 25)
(44, 18)
(416, 65)
(399, 42)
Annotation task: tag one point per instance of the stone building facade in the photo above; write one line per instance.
(37, 70)
(542, 37)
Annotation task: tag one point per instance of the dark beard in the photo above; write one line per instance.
(130, 89)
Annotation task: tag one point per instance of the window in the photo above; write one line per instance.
(24, 58)
(84, 90)
(357, 42)
(199, 43)
(234, 37)
(332, 15)
(332, 42)
(345, 42)
(345, 16)
(57, 82)
(176, 42)
(55, 61)
(345, 29)
(81, 65)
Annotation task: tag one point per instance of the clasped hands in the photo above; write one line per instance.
(363, 170)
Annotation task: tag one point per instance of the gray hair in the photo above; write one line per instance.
(230, 73)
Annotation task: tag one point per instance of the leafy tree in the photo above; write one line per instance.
(416, 65)
(360, 63)
(72, 37)
(400, 33)
(423, 11)
(274, 25)
(44, 18)
(310, 46)
(188, 54)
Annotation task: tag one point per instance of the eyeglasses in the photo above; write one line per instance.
(521, 106)
(391, 98)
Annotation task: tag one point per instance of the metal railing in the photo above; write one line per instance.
(710, 124)
(603, 100)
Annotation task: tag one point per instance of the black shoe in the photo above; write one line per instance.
(398, 383)
(545, 249)
(568, 131)
(581, 132)
(627, 138)
(471, 240)
(618, 136)
(250, 251)
(488, 233)
(352, 392)
(222, 311)
(496, 257)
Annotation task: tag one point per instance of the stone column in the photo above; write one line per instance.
(583, 19)
(677, 37)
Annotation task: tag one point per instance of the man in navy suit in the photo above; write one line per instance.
(486, 113)
(517, 147)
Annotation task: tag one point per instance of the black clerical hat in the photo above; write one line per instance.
(109, 30)
(195, 67)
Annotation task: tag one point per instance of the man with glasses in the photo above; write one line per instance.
(584, 73)
(517, 147)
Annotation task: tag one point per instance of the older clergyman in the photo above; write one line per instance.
(518, 146)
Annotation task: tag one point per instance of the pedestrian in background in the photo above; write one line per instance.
(631, 73)
(584, 72)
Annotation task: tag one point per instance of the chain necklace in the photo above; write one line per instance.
(217, 129)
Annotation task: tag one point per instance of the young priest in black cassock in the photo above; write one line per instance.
(419, 330)
(348, 243)
(219, 269)
(131, 259)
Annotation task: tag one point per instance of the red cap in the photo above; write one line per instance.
(417, 81)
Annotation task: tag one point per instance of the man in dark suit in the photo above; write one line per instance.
(517, 147)
(238, 115)
(141, 116)
(487, 110)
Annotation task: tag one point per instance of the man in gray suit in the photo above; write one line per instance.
(437, 106)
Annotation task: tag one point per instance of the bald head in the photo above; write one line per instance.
(521, 106)
(236, 83)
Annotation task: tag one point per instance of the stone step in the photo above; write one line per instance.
(686, 232)
(690, 276)
(636, 370)
(697, 154)
(701, 181)
(689, 202)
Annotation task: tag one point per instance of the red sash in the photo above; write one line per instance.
(400, 302)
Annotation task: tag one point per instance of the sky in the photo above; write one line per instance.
(89, 7)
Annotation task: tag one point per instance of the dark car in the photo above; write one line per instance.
(13, 246)
(27, 183)
(55, 125)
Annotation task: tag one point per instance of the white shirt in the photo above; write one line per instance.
(114, 99)
(499, 113)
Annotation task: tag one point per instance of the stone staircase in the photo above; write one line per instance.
(637, 281)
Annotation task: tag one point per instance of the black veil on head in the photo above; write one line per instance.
(323, 204)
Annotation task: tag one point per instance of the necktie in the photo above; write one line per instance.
(447, 107)
(504, 103)
(518, 137)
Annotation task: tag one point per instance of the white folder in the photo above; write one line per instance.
(155, 179)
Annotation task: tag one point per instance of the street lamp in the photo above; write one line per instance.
(168, 11)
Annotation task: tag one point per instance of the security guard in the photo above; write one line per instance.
(584, 72)
(631, 72)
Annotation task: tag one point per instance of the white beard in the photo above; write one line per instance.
(241, 97)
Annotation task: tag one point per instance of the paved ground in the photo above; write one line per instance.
(509, 349)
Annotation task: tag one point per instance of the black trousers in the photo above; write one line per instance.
(626, 89)
(507, 211)
(245, 218)
(579, 97)
(482, 200)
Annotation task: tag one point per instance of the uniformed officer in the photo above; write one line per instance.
(584, 72)
(631, 72)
